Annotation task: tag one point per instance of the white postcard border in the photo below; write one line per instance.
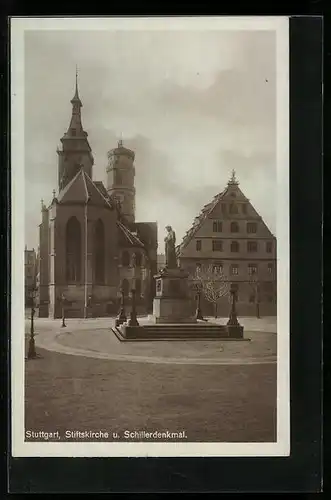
(20, 448)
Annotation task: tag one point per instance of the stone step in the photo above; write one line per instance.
(178, 337)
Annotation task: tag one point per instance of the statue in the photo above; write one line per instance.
(170, 250)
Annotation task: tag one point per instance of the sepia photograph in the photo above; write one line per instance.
(150, 236)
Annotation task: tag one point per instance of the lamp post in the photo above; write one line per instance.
(121, 318)
(32, 347)
(63, 311)
(133, 315)
(197, 285)
(198, 312)
(233, 320)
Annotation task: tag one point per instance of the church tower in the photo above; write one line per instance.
(120, 179)
(76, 152)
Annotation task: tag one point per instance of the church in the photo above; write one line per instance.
(91, 249)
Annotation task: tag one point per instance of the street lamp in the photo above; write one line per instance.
(197, 286)
(233, 320)
(32, 347)
(133, 315)
(63, 311)
(121, 318)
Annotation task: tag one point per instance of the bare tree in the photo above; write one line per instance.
(214, 284)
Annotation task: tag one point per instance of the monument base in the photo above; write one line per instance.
(174, 332)
(235, 331)
(172, 303)
(173, 310)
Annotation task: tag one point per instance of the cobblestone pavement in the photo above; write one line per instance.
(94, 338)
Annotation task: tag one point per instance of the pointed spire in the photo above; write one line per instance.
(233, 180)
(76, 99)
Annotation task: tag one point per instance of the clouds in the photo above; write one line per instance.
(192, 105)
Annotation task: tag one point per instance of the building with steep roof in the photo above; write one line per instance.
(230, 236)
(90, 246)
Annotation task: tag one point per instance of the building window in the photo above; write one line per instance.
(234, 246)
(198, 245)
(217, 227)
(252, 246)
(99, 252)
(125, 287)
(234, 227)
(269, 246)
(217, 245)
(138, 287)
(224, 208)
(234, 269)
(125, 259)
(218, 267)
(233, 208)
(270, 268)
(244, 208)
(73, 251)
(251, 227)
(252, 269)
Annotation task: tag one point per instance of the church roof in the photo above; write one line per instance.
(128, 238)
(100, 186)
(81, 189)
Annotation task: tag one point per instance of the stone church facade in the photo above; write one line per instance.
(230, 237)
(90, 246)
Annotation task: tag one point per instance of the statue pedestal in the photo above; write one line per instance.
(172, 303)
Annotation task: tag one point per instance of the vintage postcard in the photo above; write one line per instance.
(150, 236)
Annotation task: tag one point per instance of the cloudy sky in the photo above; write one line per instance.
(193, 105)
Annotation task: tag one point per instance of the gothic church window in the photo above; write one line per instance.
(125, 259)
(138, 288)
(99, 252)
(73, 251)
(138, 259)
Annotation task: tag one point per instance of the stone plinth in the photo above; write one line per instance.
(235, 331)
(172, 303)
